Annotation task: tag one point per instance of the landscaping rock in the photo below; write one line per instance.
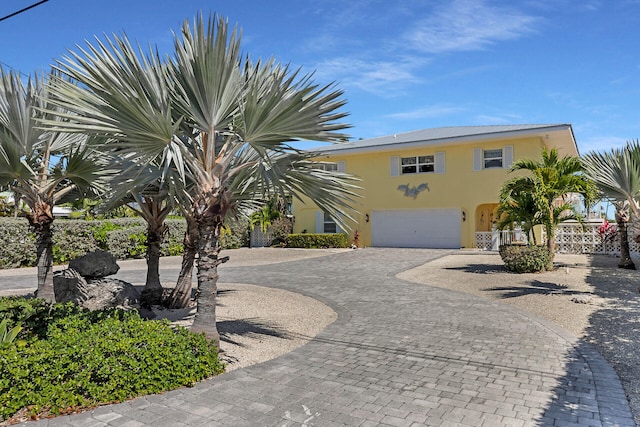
(70, 286)
(95, 264)
(110, 293)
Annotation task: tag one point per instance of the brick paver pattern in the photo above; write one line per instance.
(400, 354)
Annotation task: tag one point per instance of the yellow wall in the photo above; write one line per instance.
(459, 187)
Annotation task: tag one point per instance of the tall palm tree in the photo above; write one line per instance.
(40, 165)
(550, 180)
(240, 118)
(617, 175)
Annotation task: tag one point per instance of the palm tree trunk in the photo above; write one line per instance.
(152, 292)
(181, 294)
(625, 252)
(208, 261)
(551, 238)
(44, 249)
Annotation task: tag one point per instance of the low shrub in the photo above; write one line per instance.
(525, 258)
(87, 358)
(310, 241)
(280, 228)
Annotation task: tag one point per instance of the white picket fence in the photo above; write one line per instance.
(570, 238)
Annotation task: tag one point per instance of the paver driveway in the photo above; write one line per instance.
(399, 354)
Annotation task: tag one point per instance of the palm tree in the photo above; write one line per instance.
(40, 165)
(617, 176)
(240, 118)
(550, 180)
(518, 208)
(148, 192)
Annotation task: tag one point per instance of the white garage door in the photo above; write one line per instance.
(416, 228)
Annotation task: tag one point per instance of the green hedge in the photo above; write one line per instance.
(308, 241)
(525, 258)
(68, 358)
(124, 237)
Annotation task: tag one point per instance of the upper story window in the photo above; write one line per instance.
(417, 164)
(492, 158)
(339, 166)
(495, 158)
(433, 163)
(327, 166)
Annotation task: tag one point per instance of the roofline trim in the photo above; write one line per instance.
(337, 149)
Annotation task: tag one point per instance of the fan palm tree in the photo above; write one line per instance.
(40, 165)
(617, 176)
(240, 118)
(551, 179)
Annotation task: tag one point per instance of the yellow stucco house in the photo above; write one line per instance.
(431, 188)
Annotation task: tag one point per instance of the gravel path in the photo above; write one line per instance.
(586, 295)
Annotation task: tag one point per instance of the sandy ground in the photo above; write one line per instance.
(550, 295)
(257, 323)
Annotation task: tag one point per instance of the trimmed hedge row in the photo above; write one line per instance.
(315, 241)
(123, 237)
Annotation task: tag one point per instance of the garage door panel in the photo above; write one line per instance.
(416, 228)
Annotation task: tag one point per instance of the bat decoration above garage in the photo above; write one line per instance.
(413, 191)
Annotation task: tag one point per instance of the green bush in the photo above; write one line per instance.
(17, 243)
(525, 258)
(236, 234)
(309, 241)
(87, 358)
(124, 237)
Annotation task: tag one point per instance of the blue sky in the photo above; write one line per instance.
(404, 65)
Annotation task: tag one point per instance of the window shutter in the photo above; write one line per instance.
(319, 222)
(338, 229)
(342, 166)
(439, 160)
(394, 166)
(477, 159)
(507, 156)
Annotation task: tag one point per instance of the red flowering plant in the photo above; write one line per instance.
(607, 231)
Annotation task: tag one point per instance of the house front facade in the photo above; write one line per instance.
(432, 188)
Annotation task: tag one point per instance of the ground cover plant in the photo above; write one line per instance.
(66, 358)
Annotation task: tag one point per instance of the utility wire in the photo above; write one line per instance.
(23, 10)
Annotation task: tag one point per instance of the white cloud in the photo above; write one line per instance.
(504, 119)
(465, 25)
(427, 112)
(384, 78)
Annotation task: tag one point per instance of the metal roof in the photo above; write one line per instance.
(452, 134)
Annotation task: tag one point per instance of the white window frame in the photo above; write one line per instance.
(428, 160)
(329, 222)
(486, 159)
(339, 166)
